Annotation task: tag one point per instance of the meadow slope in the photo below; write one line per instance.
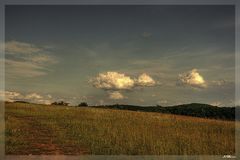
(39, 129)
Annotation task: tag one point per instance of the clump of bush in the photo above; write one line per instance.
(83, 104)
(60, 103)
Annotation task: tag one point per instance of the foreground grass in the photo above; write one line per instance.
(39, 129)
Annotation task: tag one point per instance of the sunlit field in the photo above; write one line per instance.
(39, 129)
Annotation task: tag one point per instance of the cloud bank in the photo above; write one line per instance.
(192, 78)
(12, 96)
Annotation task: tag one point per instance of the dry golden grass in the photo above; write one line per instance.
(39, 129)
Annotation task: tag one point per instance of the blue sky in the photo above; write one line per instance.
(143, 55)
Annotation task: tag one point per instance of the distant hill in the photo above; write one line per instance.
(192, 109)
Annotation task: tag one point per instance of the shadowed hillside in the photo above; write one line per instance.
(193, 109)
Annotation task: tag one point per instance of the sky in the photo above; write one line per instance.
(141, 55)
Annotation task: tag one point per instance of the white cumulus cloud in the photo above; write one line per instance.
(192, 78)
(116, 95)
(113, 81)
(145, 80)
(120, 81)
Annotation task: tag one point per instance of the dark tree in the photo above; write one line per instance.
(61, 103)
(83, 104)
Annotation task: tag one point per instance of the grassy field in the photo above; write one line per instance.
(38, 129)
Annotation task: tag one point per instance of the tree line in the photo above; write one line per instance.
(62, 103)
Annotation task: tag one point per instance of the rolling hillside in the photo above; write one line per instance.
(40, 129)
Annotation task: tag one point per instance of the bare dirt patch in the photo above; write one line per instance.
(42, 140)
